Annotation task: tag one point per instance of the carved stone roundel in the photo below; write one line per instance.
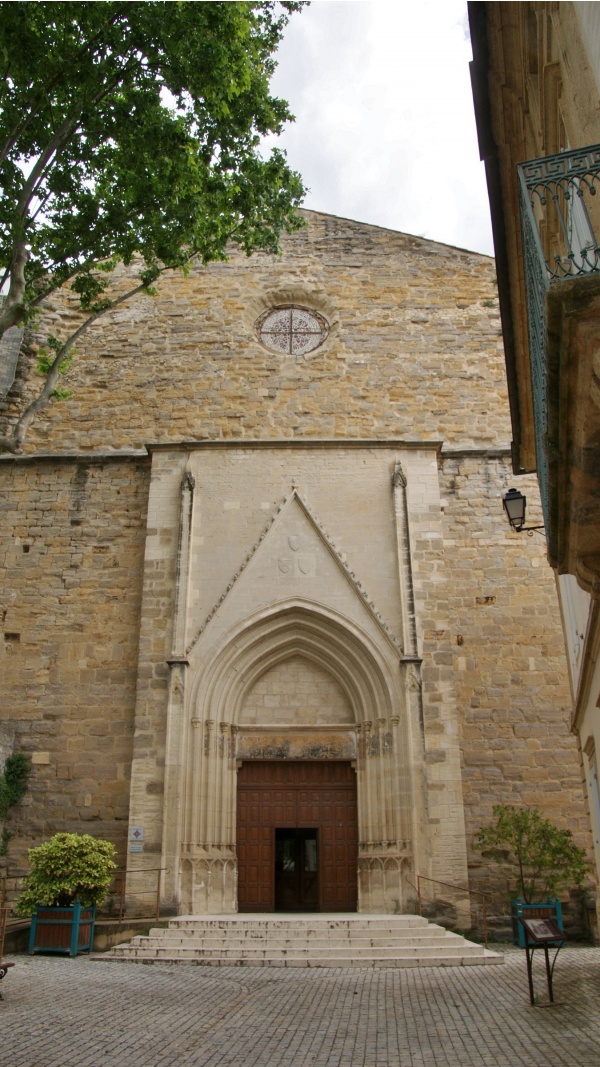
(292, 330)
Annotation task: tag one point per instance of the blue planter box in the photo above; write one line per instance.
(549, 909)
(64, 930)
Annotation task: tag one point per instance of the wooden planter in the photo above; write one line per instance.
(549, 909)
(64, 930)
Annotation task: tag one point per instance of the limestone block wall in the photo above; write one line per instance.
(506, 653)
(72, 537)
(432, 577)
(413, 326)
(155, 747)
(296, 691)
(7, 738)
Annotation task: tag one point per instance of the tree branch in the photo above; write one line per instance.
(60, 77)
(14, 442)
(13, 308)
(64, 134)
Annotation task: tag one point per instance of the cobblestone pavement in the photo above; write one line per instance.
(59, 1012)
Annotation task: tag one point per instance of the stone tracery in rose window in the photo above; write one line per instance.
(292, 330)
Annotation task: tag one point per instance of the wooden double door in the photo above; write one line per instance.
(297, 836)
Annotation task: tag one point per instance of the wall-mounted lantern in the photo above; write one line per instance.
(514, 505)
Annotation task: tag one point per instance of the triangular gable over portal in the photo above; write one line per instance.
(301, 562)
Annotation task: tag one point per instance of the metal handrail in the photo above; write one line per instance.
(559, 226)
(120, 876)
(559, 194)
(3, 918)
(451, 885)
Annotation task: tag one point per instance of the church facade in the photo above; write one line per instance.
(264, 624)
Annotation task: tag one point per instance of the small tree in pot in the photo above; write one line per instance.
(539, 858)
(70, 874)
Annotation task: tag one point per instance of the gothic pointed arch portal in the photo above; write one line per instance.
(297, 683)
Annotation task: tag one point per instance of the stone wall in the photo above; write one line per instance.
(508, 658)
(414, 350)
(70, 573)
(296, 691)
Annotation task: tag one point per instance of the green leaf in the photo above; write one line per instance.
(66, 868)
(13, 781)
(150, 117)
(539, 858)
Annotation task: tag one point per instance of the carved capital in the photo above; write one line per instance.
(208, 725)
(399, 477)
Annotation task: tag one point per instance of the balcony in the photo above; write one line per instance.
(560, 217)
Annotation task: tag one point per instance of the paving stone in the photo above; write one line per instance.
(70, 1013)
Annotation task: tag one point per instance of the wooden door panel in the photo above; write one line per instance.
(279, 806)
(298, 794)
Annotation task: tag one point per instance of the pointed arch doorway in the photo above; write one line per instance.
(295, 698)
(297, 836)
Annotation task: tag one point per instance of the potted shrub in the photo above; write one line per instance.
(539, 858)
(69, 875)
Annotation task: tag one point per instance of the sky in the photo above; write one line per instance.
(385, 130)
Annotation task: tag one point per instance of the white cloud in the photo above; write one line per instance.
(384, 129)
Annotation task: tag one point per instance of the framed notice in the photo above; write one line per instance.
(542, 930)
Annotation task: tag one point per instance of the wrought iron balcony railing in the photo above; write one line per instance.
(560, 217)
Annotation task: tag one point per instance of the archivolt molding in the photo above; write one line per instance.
(312, 297)
(337, 554)
(296, 628)
(368, 674)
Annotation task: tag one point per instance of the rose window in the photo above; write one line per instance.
(292, 330)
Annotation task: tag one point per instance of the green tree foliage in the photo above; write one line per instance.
(130, 132)
(13, 783)
(68, 867)
(539, 858)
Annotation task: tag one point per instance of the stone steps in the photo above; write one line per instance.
(271, 951)
(298, 925)
(302, 941)
(362, 945)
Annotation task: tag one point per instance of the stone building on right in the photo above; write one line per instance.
(536, 86)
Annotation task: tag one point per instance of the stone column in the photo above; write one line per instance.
(159, 688)
(439, 838)
(411, 793)
(176, 726)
